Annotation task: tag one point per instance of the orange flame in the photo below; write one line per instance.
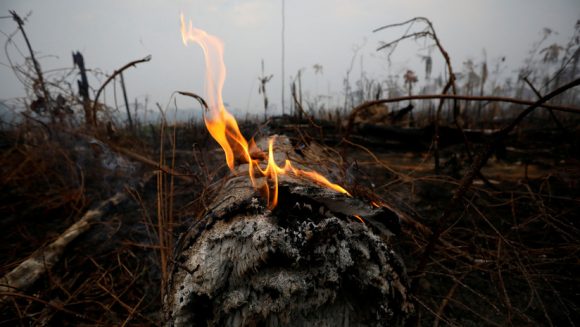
(359, 218)
(223, 127)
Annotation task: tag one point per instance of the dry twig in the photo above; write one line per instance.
(452, 210)
(115, 73)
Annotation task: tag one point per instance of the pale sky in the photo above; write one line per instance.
(111, 33)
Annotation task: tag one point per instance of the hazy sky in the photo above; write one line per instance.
(111, 33)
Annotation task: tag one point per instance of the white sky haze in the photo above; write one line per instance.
(111, 33)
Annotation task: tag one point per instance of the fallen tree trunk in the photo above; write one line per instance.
(418, 138)
(309, 261)
(44, 259)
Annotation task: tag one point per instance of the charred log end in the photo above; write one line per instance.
(294, 266)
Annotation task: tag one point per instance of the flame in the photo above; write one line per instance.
(223, 127)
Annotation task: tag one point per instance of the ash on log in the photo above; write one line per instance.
(309, 261)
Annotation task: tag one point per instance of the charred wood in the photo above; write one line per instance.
(309, 261)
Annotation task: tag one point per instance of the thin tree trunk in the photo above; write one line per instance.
(126, 102)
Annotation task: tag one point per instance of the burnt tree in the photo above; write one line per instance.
(308, 261)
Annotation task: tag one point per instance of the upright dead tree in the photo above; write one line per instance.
(123, 88)
(43, 97)
(262, 89)
(83, 85)
(309, 261)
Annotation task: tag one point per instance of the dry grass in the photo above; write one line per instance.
(113, 274)
(511, 258)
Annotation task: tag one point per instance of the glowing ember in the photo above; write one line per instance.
(223, 127)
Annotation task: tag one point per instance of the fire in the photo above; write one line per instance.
(223, 127)
(359, 218)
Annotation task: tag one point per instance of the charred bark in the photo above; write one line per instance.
(309, 261)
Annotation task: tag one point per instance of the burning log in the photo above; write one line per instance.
(318, 258)
(303, 258)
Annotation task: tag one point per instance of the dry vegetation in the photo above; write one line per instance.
(490, 230)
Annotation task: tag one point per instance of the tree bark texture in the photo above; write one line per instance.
(307, 262)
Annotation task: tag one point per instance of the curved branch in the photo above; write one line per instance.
(430, 32)
(115, 73)
(400, 24)
(408, 36)
(539, 103)
(196, 97)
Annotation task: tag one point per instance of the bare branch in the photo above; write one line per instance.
(196, 97)
(408, 36)
(480, 160)
(430, 32)
(400, 24)
(115, 73)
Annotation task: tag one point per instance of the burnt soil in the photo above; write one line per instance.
(510, 257)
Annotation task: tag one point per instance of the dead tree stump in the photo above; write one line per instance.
(307, 262)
